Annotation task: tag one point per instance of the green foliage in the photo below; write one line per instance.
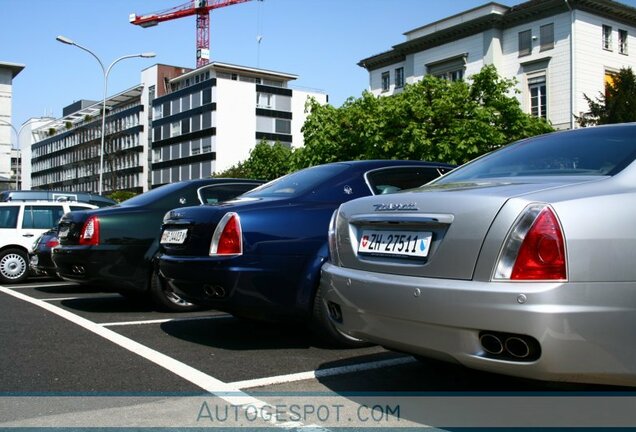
(266, 162)
(617, 105)
(121, 195)
(434, 120)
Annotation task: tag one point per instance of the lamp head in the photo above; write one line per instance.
(64, 40)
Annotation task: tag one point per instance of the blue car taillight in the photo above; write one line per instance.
(227, 238)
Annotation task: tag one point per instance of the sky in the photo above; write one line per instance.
(321, 41)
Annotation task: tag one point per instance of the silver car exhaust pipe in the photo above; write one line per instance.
(491, 343)
(510, 346)
(517, 347)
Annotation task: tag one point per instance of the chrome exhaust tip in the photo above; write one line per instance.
(491, 343)
(517, 347)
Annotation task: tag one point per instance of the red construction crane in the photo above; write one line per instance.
(200, 8)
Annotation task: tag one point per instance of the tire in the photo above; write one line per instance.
(325, 329)
(166, 299)
(14, 266)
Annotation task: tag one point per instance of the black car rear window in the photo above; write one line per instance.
(155, 195)
(297, 183)
(602, 151)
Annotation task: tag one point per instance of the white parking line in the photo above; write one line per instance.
(39, 285)
(321, 373)
(227, 392)
(160, 321)
(66, 298)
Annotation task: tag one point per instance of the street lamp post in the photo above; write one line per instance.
(105, 71)
(17, 137)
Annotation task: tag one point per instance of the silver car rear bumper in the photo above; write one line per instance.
(586, 332)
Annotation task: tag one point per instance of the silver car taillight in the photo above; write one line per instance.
(534, 249)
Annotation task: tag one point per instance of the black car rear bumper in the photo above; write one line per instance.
(106, 267)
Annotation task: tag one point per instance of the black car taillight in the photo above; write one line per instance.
(89, 235)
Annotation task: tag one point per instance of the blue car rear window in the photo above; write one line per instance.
(297, 183)
(602, 151)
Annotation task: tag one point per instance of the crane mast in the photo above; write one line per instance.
(200, 8)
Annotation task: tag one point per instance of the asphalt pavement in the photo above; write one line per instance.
(74, 357)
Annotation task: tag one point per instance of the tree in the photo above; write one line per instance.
(434, 119)
(265, 162)
(121, 195)
(617, 105)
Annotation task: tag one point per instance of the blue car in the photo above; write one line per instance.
(259, 256)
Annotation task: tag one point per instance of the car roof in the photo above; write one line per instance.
(44, 203)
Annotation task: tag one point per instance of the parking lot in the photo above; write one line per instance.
(61, 339)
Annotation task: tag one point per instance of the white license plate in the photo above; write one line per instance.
(63, 233)
(397, 243)
(174, 236)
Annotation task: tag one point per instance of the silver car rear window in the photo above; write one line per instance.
(602, 151)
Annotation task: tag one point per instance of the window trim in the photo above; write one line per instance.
(530, 85)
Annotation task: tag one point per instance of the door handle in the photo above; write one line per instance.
(27, 235)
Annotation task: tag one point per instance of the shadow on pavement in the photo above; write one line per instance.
(107, 304)
(232, 333)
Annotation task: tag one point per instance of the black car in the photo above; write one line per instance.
(114, 248)
(40, 260)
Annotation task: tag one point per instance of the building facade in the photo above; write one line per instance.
(66, 154)
(178, 124)
(213, 116)
(9, 157)
(557, 50)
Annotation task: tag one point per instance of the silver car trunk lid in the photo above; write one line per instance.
(457, 218)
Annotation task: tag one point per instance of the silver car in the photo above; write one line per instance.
(521, 262)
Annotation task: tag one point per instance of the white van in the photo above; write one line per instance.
(21, 223)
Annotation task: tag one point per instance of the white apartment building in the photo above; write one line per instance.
(557, 50)
(213, 116)
(9, 159)
(177, 124)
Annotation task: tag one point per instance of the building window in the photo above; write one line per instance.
(622, 41)
(607, 37)
(157, 112)
(283, 126)
(451, 69)
(386, 81)
(525, 43)
(175, 129)
(263, 100)
(547, 37)
(538, 96)
(455, 75)
(399, 77)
